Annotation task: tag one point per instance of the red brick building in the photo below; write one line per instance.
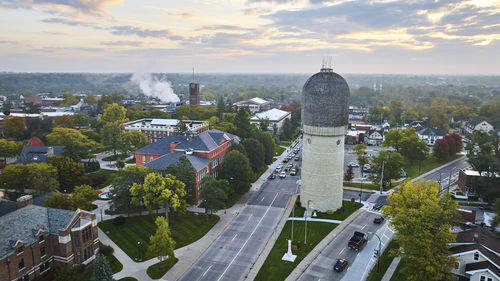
(204, 151)
(35, 239)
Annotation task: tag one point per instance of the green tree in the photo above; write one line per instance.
(83, 196)
(423, 220)
(59, 201)
(161, 243)
(90, 99)
(64, 121)
(131, 141)
(74, 142)
(489, 111)
(122, 184)
(81, 120)
(69, 172)
(392, 163)
(41, 177)
(407, 143)
(9, 148)
(14, 127)
(266, 139)
(255, 153)
(14, 176)
(239, 147)
(213, 193)
(101, 270)
(439, 120)
(91, 134)
(113, 113)
(181, 128)
(396, 108)
(496, 209)
(242, 123)
(236, 169)
(360, 150)
(111, 134)
(184, 171)
(69, 99)
(264, 124)
(157, 191)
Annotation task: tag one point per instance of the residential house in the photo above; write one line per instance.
(35, 239)
(254, 105)
(375, 137)
(468, 180)
(38, 154)
(156, 129)
(204, 151)
(430, 135)
(476, 124)
(276, 118)
(478, 253)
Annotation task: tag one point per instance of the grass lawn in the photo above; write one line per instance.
(185, 230)
(276, 269)
(370, 186)
(385, 261)
(109, 174)
(127, 279)
(130, 161)
(285, 143)
(114, 263)
(398, 275)
(278, 150)
(115, 157)
(348, 206)
(427, 165)
(232, 199)
(157, 270)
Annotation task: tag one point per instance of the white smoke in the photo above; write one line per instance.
(154, 87)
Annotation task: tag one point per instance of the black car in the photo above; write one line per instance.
(271, 176)
(377, 207)
(378, 220)
(340, 265)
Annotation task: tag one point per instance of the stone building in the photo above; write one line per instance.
(325, 109)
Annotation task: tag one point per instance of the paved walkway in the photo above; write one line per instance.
(313, 219)
(392, 268)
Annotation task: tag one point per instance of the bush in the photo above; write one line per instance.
(91, 166)
(106, 250)
(119, 221)
(329, 212)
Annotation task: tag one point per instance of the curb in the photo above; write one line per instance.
(306, 262)
(438, 168)
(255, 268)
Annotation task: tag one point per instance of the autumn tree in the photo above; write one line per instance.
(236, 169)
(161, 243)
(349, 174)
(69, 172)
(13, 127)
(65, 121)
(131, 141)
(213, 193)
(423, 220)
(441, 149)
(439, 120)
(9, 149)
(74, 142)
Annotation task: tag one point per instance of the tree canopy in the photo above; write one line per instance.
(213, 193)
(392, 163)
(74, 142)
(69, 172)
(236, 169)
(161, 243)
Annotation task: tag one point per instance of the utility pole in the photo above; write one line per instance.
(305, 230)
(293, 211)
(382, 179)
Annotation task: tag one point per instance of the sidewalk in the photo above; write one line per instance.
(392, 268)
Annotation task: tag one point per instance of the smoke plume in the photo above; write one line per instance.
(153, 87)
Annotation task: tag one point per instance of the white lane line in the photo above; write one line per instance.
(248, 239)
(342, 251)
(262, 199)
(234, 237)
(207, 270)
(364, 226)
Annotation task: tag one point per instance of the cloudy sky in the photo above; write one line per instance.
(263, 36)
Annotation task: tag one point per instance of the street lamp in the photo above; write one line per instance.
(305, 218)
(361, 193)
(139, 250)
(378, 252)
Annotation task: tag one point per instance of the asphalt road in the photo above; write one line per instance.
(448, 172)
(322, 267)
(230, 256)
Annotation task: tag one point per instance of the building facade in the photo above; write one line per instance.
(156, 129)
(45, 239)
(254, 105)
(204, 151)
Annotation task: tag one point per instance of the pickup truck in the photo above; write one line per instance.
(357, 241)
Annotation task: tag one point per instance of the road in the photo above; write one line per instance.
(448, 172)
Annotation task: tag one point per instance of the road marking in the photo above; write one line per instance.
(234, 237)
(248, 239)
(262, 199)
(206, 270)
(364, 226)
(342, 250)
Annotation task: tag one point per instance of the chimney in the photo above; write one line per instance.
(172, 146)
(24, 201)
(50, 151)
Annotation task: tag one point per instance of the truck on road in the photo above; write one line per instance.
(357, 241)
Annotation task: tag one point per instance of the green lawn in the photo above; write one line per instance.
(157, 270)
(385, 261)
(370, 186)
(398, 275)
(276, 269)
(185, 230)
(109, 174)
(285, 143)
(130, 161)
(114, 263)
(115, 157)
(278, 150)
(348, 208)
(232, 199)
(427, 165)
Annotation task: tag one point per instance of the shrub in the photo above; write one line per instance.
(91, 166)
(106, 250)
(98, 180)
(119, 221)
(330, 212)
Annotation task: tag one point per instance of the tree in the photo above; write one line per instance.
(242, 123)
(489, 111)
(122, 184)
(266, 139)
(9, 148)
(81, 120)
(496, 209)
(157, 191)
(74, 142)
(69, 172)
(264, 124)
(161, 243)
(131, 141)
(101, 270)
(286, 130)
(113, 113)
(423, 220)
(361, 153)
(396, 108)
(91, 134)
(69, 99)
(59, 201)
(181, 128)
(349, 174)
(236, 169)
(184, 171)
(111, 134)
(392, 162)
(90, 99)
(13, 127)
(213, 193)
(65, 121)
(440, 120)
(83, 196)
(255, 153)
(239, 147)
(41, 177)
(441, 149)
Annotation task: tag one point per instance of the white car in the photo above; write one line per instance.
(106, 195)
(354, 165)
(282, 175)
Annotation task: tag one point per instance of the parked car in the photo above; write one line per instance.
(297, 158)
(272, 176)
(278, 169)
(106, 195)
(293, 172)
(377, 207)
(366, 168)
(340, 265)
(282, 175)
(378, 220)
(285, 160)
(354, 165)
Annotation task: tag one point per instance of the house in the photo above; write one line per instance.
(478, 253)
(35, 239)
(156, 129)
(204, 151)
(430, 135)
(38, 154)
(476, 124)
(254, 105)
(468, 180)
(375, 137)
(276, 118)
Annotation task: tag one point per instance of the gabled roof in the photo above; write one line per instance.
(480, 236)
(37, 154)
(483, 265)
(473, 122)
(33, 218)
(272, 115)
(162, 146)
(166, 160)
(431, 132)
(259, 100)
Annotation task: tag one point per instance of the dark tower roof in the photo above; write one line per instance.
(325, 100)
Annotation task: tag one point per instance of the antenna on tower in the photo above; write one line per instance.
(193, 74)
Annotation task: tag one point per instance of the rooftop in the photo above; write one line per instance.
(272, 115)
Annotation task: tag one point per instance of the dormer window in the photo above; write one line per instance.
(41, 238)
(20, 249)
(476, 256)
